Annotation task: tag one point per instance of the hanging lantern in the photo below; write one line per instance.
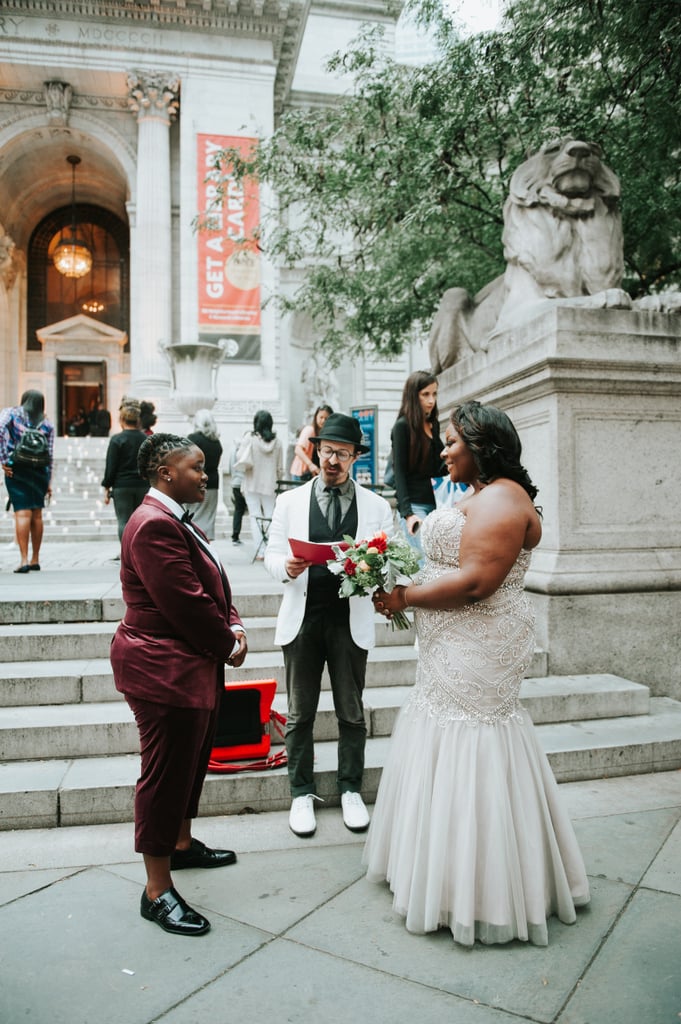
(72, 257)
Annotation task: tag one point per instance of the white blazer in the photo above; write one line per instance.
(292, 519)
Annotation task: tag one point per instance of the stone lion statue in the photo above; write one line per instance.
(562, 242)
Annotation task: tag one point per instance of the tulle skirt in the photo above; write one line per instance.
(470, 831)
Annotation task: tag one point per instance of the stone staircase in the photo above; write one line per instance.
(77, 511)
(68, 743)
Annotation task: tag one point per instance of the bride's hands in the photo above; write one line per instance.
(388, 604)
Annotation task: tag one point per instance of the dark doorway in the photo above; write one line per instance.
(79, 385)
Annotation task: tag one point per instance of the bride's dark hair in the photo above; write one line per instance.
(493, 442)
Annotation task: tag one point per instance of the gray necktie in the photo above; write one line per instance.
(333, 514)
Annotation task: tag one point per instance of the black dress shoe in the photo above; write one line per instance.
(171, 912)
(201, 856)
(23, 568)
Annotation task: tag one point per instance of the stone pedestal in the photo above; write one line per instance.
(596, 398)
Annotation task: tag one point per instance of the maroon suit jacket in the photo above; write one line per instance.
(176, 635)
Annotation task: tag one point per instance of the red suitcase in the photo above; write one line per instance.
(244, 729)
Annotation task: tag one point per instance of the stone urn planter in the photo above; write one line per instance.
(194, 367)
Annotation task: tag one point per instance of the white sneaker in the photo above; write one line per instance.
(355, 814)
(301, 819)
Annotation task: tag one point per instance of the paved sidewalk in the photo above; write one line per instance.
(299, 935)
(96, 563)
(76, 554)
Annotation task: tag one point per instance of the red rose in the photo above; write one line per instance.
(349, 567)
(380, 542)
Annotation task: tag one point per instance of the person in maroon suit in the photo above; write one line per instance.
(168, 655)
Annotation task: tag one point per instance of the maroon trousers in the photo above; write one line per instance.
(175, 744)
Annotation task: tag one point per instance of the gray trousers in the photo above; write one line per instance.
(324, 637)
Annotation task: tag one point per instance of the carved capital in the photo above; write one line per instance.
(153, 95)
(58, 96)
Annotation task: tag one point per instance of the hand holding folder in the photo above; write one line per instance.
(318, 554)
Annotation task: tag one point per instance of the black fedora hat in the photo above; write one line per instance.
(339, 427)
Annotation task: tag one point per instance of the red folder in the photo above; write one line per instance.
(318, 554)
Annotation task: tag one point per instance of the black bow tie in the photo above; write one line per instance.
(187, 517)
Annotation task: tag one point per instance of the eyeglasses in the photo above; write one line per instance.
(342, 456)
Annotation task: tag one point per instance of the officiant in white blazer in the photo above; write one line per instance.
(316, 627)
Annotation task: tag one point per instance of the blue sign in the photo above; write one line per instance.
(365, 469)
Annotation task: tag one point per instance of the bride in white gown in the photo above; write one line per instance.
(469, 828)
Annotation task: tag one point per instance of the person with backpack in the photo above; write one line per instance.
(27, 456)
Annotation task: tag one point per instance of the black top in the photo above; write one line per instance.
(212, 452)
(414, 485)
(121, 459)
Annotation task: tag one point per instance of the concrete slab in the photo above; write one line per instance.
(69, 899)
(622, 846)
(636, 976)
(601, 797)
(359, 925)
(271, 890)
(18, 883)
(92, 958)
(665, 871)
(288, 982)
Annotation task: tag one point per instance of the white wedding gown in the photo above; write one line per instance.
(469, 828)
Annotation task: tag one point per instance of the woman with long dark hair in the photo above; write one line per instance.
(416, 452)
(27, 479)
(469, 827)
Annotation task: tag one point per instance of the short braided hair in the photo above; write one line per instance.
(154, 451)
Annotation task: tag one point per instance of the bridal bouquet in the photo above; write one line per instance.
(372, 564)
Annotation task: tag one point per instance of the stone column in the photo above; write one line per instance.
(153, 98)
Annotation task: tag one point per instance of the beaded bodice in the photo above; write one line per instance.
(471, 660)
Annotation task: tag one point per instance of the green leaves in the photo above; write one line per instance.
(395, 193)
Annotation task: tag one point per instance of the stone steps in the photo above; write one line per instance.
(101, 728)
(32, 642)
(69, 743)
(77, 511)
(79, 602)
(89, 790)
(88, 679)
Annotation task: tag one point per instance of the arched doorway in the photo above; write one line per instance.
(103, 293)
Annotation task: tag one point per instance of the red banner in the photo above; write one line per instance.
(229, 270)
